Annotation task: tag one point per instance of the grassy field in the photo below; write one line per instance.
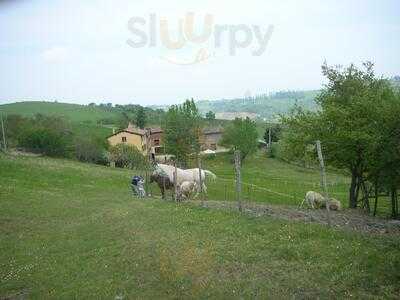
(270, 180)
(73, 112)
(72, 230)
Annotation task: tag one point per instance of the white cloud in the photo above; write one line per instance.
(57, 54)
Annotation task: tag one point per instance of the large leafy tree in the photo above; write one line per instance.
(351, 118)
(241, 135)
(182, 130)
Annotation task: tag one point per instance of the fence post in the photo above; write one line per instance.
(200, 179)
(175, 182)
(3, 132)
(225, 191)
(323, 180)
(238, 180)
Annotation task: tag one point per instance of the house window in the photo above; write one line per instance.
(156, 142)
(124, 139)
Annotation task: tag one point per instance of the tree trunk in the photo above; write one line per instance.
(393, 195)
(353, 190)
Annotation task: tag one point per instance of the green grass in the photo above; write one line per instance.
(73, 112)
(72, 230)
(270, 180)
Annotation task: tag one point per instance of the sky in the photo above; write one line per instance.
(118, 51)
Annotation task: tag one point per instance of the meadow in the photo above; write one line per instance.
(73, 230)
(73, 112)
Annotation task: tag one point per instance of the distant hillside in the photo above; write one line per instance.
(95, 120)
(73, 112)
(263, 106)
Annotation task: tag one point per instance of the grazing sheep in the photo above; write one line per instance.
(334, 204)
(186, 189)
(313, 200)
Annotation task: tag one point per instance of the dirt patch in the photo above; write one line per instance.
(348, 219)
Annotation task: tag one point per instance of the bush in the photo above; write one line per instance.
(92, 150)
(44, 141)
(127, 156)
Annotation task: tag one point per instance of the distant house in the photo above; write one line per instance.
(151, 139)
(155, 140)
(210, 138)
(130, 136)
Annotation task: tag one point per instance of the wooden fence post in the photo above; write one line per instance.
(238, 180)
(200, 179)
(175, 182)
(323, 181)
(225, 191)
(4, 135)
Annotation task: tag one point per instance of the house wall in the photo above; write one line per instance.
(156, 136)
(131, 139)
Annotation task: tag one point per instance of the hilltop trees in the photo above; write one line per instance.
(355, 123)
(140, 117)
(182, 130)
(241, 135)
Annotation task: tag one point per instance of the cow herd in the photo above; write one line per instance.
(189, 182)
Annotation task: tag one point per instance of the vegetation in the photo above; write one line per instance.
(127, 156)
(356, 123)
(91, 149)
(141, 117)
(268, 106)
(241, 135)
(73, 112)
(182, 131)
(210, 116)
(73, 230)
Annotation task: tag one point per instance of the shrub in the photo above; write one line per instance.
(44, 141)
(127, 156)
(92, 150)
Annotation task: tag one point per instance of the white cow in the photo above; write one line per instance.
(191, 175)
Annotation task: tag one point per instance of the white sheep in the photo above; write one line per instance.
(313, 200)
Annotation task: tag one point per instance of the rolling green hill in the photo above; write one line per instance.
(73, 112)
(262, 106)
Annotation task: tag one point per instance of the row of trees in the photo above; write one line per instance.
(182, 130)
(359, 127)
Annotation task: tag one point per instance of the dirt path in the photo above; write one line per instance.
(347, 219)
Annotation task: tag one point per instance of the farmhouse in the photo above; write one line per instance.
(151, 139)
(130, 136)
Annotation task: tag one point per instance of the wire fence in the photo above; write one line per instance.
(274, 191)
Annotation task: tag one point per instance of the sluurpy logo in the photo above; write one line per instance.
(185, 44)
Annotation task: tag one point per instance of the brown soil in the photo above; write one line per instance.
(354, 220)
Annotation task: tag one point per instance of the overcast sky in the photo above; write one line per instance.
(77, 51)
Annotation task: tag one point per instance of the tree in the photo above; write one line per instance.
(241, 135)
(275, 132)
(140, 117)
(182, 130)
(127, 156)
(47, 135)
(210, 116)
(90, 149)
(349, 122)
